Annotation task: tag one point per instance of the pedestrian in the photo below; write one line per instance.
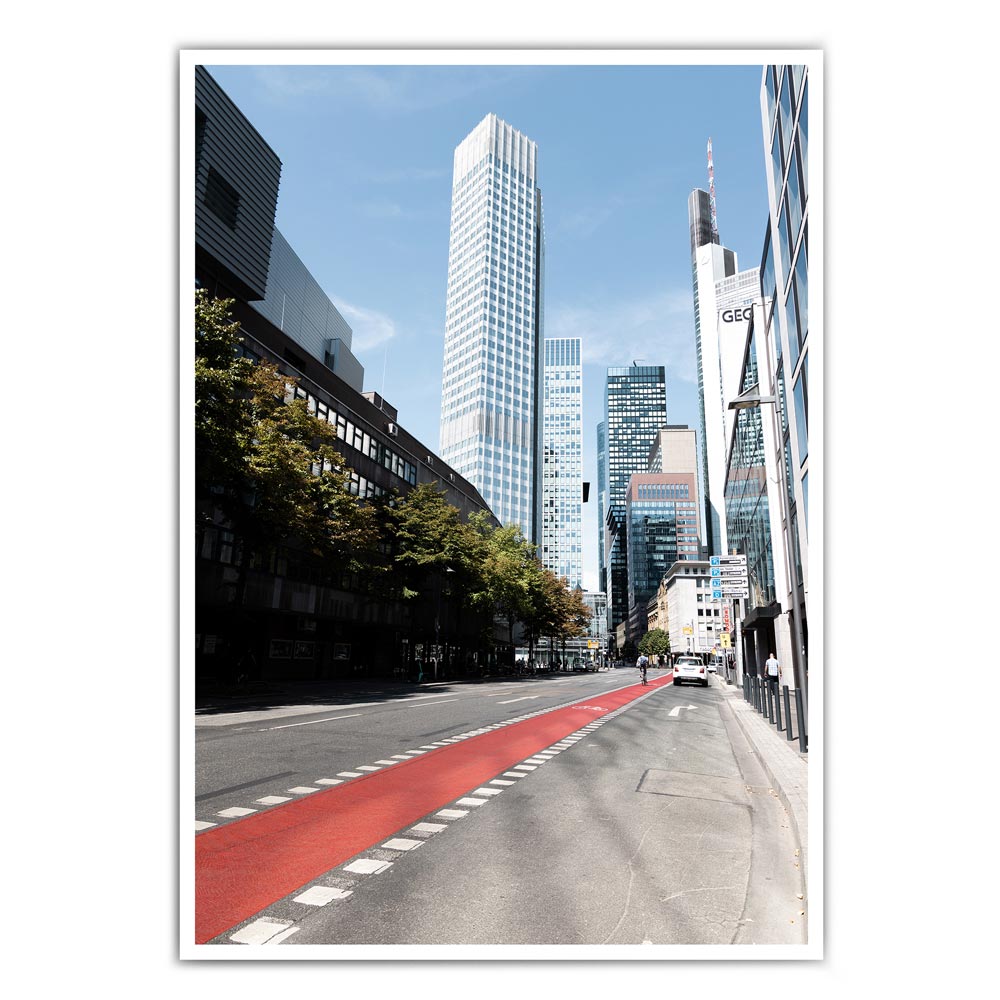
(772, 671)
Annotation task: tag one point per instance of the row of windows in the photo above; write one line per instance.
(359, 439)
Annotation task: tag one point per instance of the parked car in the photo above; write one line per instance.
(716, 663)
(690, 668)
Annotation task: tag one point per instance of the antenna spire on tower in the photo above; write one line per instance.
(711, 192)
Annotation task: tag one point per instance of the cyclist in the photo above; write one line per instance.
(643, 663)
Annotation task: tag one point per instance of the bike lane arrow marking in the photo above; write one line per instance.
(674, 712)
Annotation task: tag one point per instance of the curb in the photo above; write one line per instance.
(786, 769)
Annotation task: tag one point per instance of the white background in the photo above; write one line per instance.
(91, 541)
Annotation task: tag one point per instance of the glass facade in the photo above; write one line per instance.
(635, 408)
(785, 122)
(562, 460)
(491, 420)
(602, 500)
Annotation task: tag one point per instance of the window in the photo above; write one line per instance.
(221, 198)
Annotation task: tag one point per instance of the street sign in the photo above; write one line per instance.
(725, 641)
(688, 630)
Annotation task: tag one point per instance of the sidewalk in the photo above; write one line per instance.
(786, 768)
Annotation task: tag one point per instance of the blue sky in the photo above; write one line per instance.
(365, 200)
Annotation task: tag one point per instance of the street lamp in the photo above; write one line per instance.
(745, 401)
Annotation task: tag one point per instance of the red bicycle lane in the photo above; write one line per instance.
(245, 866)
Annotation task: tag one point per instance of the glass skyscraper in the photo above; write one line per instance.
(635, 408)
(491, 393)
(784, 281)
(562, 460)
(602, 503)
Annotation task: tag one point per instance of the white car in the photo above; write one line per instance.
(690, 668)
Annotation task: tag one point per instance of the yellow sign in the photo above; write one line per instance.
(593, 644)
(688, 630)
(724, 639)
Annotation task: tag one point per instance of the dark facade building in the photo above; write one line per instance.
(635, 408)
(283, 613)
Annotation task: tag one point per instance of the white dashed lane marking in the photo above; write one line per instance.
(320, 895)
(273, 800)
(262, 931)
(235, 811)
(367, 866)
(402, 844)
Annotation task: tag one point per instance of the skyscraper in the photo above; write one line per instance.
(562, 460)
(635, 408)
(602, 503)
(784, 99)
(491, 393)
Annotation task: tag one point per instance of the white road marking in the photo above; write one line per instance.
(471, 802)
(385, 763)
(367, 767)
(674, 712)
(320, 895)
(452, 813)
(429, 827)
(302, 789)
(512, 774)
(524, 767)
(427, 703)
(367, 866)
(329, 781)
(486, 791)
(402, 844)
(527, 697)
(273, 800)
(200, 824)
(278, 938)
(235, 811)
(348, 774)
(404, 756)
(536, 760)
(259, 932)
(292, 725)
(499, 781)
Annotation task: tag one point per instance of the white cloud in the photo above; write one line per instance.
(657, 329)
(370, 328)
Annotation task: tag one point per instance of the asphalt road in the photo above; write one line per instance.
(649, 825)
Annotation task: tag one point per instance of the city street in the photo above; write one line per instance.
(571, 809)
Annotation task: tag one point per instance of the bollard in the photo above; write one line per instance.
(803, 740)
(788, 717)
(777, 708)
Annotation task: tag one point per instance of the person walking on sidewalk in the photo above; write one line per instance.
(772, 671)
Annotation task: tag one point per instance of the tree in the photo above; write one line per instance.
(506, 561)
(656, 642)
(263, 463)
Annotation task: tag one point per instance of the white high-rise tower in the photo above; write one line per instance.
(491, 392)
(562, 460)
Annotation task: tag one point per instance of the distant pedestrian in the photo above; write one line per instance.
(772, 671)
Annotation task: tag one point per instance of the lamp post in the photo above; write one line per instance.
(745, 401)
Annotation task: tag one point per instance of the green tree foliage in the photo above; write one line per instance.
(262, 458)
(429, 538)
(506, 561)
(656, 642)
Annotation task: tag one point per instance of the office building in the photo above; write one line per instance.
(635, 408)
(695, 621)
(562, 460)
(602, 503)
(491, 406)
(300, 616)
(784, 100)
